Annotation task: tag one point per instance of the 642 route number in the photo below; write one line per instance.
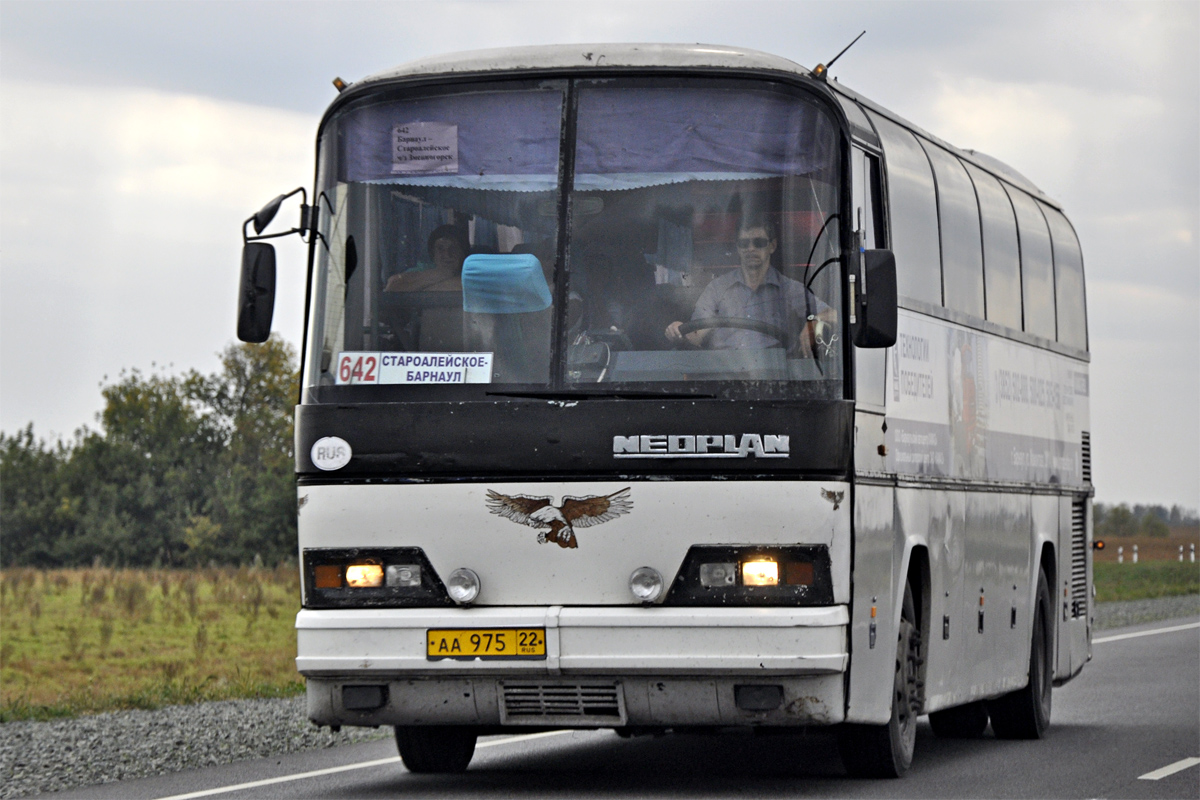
(358, 368)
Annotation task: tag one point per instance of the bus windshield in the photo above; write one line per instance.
(701, 249)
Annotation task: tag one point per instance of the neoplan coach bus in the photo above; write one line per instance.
(654, 387)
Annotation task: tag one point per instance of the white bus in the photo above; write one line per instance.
(658, 387)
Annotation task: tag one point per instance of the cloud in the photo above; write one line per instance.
(136, 137)
(121, 214)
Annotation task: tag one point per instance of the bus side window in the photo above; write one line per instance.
(912, 206)
(962, 251)
(1001, 255)
(1068, 280)
(867, 200)
(1037, 266)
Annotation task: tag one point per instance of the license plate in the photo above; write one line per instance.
(468, 644)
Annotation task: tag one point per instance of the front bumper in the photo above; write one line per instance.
(604, 666)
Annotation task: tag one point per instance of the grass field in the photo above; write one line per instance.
(80, 641)
(1144, 579)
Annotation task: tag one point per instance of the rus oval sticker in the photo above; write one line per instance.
(330, 453)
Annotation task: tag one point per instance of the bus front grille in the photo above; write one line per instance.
(526, 703)
(1079, 598)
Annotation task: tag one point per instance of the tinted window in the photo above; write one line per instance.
(440, 263)
(913, 207)
(962, 254)
(1037, 270)
(712, 206)
(868, 213)
(1068, 280)
(1001, 255)
(857, 118)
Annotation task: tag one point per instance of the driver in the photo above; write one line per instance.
(757, 292)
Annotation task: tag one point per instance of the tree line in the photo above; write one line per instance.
(1121, 520)
(186, 470)
(197, 469)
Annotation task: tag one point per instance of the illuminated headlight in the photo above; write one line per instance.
(760, 573)
(753, 575)
(364, 576)
(404, 575)
(646, 584)
(712, 575)
(375, 577)
(463, 586)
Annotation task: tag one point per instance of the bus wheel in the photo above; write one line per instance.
(886, 751)
(435, 749)
(1025, 713)
(963, 722)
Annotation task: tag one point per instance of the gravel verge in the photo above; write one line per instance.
(1135, 612)
(63, 754)
(85, 751)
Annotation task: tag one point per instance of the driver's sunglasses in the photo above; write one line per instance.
(756, 242)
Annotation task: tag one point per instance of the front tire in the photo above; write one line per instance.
(886, 751)
(1025, 713)
(435, 749)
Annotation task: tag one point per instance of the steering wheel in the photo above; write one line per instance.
(766, 328)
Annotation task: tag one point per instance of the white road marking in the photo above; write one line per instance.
(1136, 634)
(1169, 769)
(316, 773)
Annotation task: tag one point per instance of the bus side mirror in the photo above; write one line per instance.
(876, 301)
(256, 302)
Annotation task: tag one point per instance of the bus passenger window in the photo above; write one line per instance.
(1037, 266)
(1068, 280)
(913, 208)
(1001, 255)
(962, 251)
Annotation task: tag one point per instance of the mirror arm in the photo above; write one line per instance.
(307, 217)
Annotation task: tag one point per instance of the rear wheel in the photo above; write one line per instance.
(963, 722)
(435, 749)
(886, 751)
(1025, 713)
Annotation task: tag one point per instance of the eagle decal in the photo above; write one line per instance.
(559, 522)
(833, 497)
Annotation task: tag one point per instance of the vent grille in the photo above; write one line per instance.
(1079, 598)
(597, 704)
(1085, 450)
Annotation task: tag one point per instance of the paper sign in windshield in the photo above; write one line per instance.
(413, 368)
(424, 148)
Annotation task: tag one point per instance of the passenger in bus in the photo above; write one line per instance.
(757, 292)
(448, 248)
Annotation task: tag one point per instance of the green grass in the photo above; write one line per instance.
(84, 641)
(1145, 580)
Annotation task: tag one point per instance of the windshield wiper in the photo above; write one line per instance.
(609, 395)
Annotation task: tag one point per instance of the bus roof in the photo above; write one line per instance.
(660, 56)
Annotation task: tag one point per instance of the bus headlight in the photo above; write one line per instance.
(646, 584)
(362, 576)
(760, 573)
(463, 586)
(754, 575)
(724, 574)
(375, 577)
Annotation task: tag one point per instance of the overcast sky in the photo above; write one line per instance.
(136, 137)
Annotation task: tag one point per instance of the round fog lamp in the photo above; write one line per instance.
(463, 586)
(646, 584)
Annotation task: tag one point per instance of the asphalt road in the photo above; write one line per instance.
(1134, 711)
